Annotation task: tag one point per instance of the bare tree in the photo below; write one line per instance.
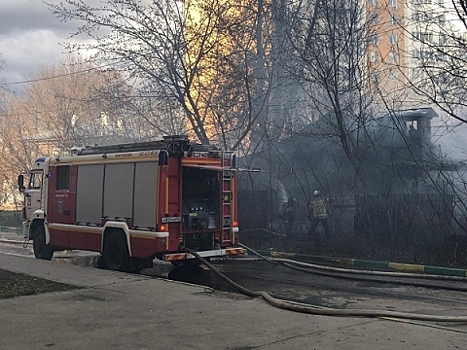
(437, 71)
(7, 166)
(321, 59)
(437, 75)
(71, 104)
(3, 88)
(349, 150)
(329, 61)
(207, 57)
(75, 104)
(2, 82)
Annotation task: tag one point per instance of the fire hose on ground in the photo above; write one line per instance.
(359, 272)
(323, 311)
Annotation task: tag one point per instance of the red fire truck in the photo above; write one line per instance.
(134, 202)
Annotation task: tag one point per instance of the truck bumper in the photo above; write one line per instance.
(204, 254)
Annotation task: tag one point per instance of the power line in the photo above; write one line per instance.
(99, 68)
(50, 78)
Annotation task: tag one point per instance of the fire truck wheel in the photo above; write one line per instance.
(41, 250)
(115, 253)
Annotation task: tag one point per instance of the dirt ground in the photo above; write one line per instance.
(17, 284)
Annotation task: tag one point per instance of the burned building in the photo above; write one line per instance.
(390, 188)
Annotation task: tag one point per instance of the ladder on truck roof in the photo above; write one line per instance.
(174, 144)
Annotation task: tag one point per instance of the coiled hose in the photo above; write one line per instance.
(324, 311)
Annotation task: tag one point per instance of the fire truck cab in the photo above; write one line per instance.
(134, 202)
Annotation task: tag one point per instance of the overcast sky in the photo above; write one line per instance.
(30, 38)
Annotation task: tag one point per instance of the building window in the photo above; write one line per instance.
(427, 55)
(424, 37)
(393, 3)
(374, 18)
(374, 39)
(373, 56)
(63, 177)
(441, 57)
(393, 74)
(393, 38)
(415, 53)
(442, 20)
(374, 77)
(392, 20)
(392, 57)
(421, 17)
(442, 39)
(374, 2)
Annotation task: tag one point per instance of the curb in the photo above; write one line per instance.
(374, 265)
(17, 230)
(10, 241)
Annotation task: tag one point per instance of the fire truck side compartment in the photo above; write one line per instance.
(125, 191)
(118, 191)
(89, 194)
(145, 195)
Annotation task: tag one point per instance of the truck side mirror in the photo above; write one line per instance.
(21, 183)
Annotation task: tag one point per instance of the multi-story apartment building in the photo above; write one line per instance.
(407, 41)
(386, 41)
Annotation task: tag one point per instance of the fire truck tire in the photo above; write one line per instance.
(115, 253)
(41, 250)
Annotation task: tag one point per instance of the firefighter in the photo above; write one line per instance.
(287, 214)
(318, 212)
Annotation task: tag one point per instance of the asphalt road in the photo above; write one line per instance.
(345, 293)
(323, 291)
